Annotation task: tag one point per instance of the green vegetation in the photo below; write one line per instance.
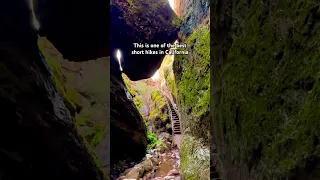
(169, 75)
(84, 118)
(126, 82)
(158, 99)
(190, 84)
(270, 89)
(69, 96)
(192, 78)
(176, 21)
(158, 104)
(93, 154)
(195, 159)
(95, 135)
(153, 141)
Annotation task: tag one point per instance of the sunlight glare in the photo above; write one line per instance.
(118, 54)
(155, 76)
(171, 2)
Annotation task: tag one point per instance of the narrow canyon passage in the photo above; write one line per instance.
(160, 101)
(151, 98)
(69, 110)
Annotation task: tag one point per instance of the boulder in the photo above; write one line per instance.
(152, 22)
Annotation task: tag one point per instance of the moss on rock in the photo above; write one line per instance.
(266, 122)
(191, 88)
(192, 78)
(195, 159)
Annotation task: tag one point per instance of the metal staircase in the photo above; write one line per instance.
(175, 122)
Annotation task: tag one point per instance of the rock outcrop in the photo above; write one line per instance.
(86, 85)
(191, 89)
(265, 80)
(152, 22)
(38, 135)
(191, 12)
(127, 127)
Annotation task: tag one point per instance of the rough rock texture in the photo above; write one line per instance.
(151, 104)
(195, 163)
(266, 89)
(181, 6)
(192, 80)
(134, 22)
(75, 26)
(87, 85)
(192, 90)
(191, 12)
(37, 134)
(159, 116)
(127, 128)
(139, 21)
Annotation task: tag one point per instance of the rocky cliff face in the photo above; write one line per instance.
(127, 128)
(39, 138)
(266, 89)
(192, 91)
(152, 22)
(85, 86)
(191, 12)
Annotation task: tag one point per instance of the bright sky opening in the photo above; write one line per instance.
(171, 2)
(155, 76)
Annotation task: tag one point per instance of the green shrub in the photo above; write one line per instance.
(96, 135)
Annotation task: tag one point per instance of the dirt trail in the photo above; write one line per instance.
(169, 166)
